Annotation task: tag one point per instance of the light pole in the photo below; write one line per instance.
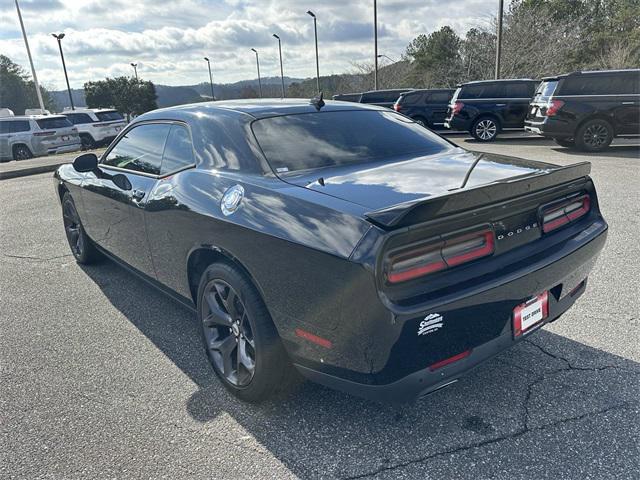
(213, 98)
(499, 38)
(135, 70)
(375, 44)
(281, 70)
(33, 70)
(315, 31)
(59, 38)
(258, 67)
(387, 57)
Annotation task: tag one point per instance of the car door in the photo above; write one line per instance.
(516, 103)
(439, 104)
(114, 218)
(626, 87)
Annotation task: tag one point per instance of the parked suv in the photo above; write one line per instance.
(382, 98)
(487, 107)
(426, 107)
(97, 126)
(23, 137)
(587, 109)
(348, 97)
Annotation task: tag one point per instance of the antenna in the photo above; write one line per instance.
(317, 101)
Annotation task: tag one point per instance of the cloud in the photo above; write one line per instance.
(168, 38)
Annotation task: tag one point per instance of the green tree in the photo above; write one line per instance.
(17, 90)
(125, 94)
(436, 58)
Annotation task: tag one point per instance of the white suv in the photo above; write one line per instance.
(97, 126)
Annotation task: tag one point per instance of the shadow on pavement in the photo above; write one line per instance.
(543, 383)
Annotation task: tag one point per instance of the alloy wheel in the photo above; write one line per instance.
(72, 228)
(228, 333)
(486, 129)
(595, 135)
(22, 153)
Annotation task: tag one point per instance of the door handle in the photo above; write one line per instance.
(138, 195)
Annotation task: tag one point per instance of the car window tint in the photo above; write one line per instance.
(546, 88)
(109, 116)
(439, 97)
(178, 151)
(595, 85)
(625, 84)
(482, 90)
(324, 139)
(140, 149)
(79, 118)
(518, 90)
(54, 122)
(14, 126)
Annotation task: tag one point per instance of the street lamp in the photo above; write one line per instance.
(59, 38)
(135, 70)
(315, 30)
(281, 70)
(387, 57)
(210, 79)
(375, 44)
(258, 67)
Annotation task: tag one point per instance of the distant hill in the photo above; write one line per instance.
(178, 95)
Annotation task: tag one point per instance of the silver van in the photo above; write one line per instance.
(23, 137)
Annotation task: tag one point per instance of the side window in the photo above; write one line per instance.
(588, 85)
(439, 97)
(79, 118)
(14, 126)
(140, 149)
(178, 152)
(625, 84)
(482, 90)
(518, 90)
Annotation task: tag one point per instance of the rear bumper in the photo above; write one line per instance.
(565, 279)
(457, 123)
(74, 147)
(551, 127)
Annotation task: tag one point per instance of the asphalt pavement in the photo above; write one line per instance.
(102, 376)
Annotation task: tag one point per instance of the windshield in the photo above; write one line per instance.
(54, 122)
(109, 116)
(325, 139)
(546, 89)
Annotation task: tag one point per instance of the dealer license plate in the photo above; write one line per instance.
(531, 313)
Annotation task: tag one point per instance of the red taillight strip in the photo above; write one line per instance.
(486, 249)
(416, 272)
(557, 216)
(447, 361)
(323, 342)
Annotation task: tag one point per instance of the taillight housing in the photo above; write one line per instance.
(553, 107)
(564, 212)
(44, 134)
(416, 261)
(457, 107)
(397, 107)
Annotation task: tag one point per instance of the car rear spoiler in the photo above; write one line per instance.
(457, 200)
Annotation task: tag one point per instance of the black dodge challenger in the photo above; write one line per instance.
(341, 239)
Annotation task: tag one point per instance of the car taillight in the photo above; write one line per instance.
(431, 257)
(457, 107)
(397, 107)
(556, 216)
(553, 107)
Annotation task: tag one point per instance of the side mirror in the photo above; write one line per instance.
(121, 181)
(87, 162)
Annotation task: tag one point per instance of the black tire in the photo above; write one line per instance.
(238, 333)
(594, 135)
(565, 142)
(485, 129)
(422, 122)
(82, 248)
(87, 142)
(21, 152)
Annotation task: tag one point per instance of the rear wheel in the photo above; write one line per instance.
(240, 339)
(21, 152)
(565, 142)
(81, 246)
(485, 129)
(87, 142)
(594, 135)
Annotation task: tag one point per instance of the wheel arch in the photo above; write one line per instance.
(493, 116)
(596, 116)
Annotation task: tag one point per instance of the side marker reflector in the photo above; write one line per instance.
(323, 342)
(447, 361)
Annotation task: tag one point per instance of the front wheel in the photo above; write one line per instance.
(594, 135)
(82, 248)
(485, 129)
(239, 337)
(87, 142)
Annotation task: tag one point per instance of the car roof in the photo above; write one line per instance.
(422, 90)
(477, 82)
(32, 117)
(591, 72)
(389, 90)
(256, 108)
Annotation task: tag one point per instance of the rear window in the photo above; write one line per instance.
(53, 122)
(326, 139)
(109, 116)
(546, 89)
(79, 118)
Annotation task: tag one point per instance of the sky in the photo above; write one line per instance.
(169, 38)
